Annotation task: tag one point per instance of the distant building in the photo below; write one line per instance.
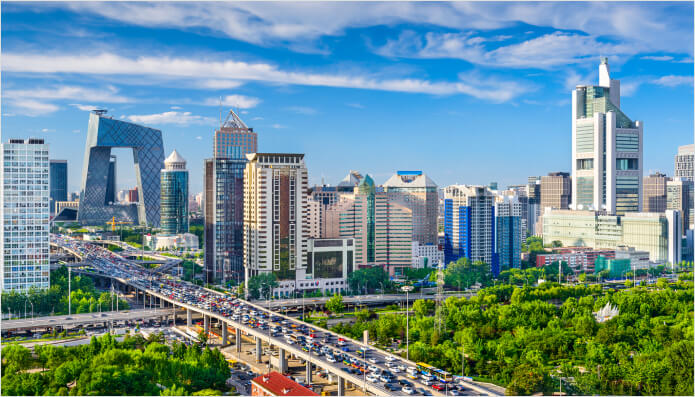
(469, 224)
(679, 196)
(25, 216)
(556, 190)
(580, 259)
(275, 225)
(607, 149)
(508, 233)
(181, 241)
(60, 205)
(684, 162)
(111, 183)
(427, 256)
(133, 196)
(276, 384)
(418, 192)
(329, 262)
(174, 199)
(59, 182)
(654, 192)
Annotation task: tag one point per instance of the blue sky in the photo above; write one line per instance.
(467, 92)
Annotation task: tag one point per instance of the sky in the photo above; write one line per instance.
(467, 92)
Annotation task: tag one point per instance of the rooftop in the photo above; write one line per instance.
(280, 385)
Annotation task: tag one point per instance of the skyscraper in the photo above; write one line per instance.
(508, 235)
(25, 216)
(679, 196)
(59, 182)
(275, 223)
(111, 183)
(555, 190)
(533, 203)
(381, 228)
(684, 164)
(654, 192)
(469, 224)
(606, 149)
(174, 211)
(103, 134)
(418, 192)
(223, 199)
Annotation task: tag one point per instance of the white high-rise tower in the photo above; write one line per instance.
(606, 149)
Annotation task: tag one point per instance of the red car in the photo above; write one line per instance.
(438, 387)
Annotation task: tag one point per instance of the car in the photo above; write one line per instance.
(408, 390)
(402, 367)
(392, 387)
(390, 358)
(385, 379)
(373, 360)
(455, 393)
(372, 368)
(404, 382)
(438, 386)
(411, 376)
(426, 382)
(331, 359)
(372, 379)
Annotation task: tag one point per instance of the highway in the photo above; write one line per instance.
(335, 353)
(84, 318)
(358, 300)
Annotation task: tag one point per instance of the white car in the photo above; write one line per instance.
(390, 365)
(331, 359)
(408, 390)
(373, 360)
(402, 367)
(372, 368)
(395, 370)
(427, 382)
(390, 358)
(372, 378)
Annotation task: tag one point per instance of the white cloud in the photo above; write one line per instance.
(672, 81)
(87, 108)
(30, 107)
(107, 95)
(199, 138)
(75, 131)
(658, 58)
(176, 107)
(236, 101)
(178, 118)
(112, 64)
(278, 126)
(219, 84)
(302, 110)
(244, 112)
(47, 130)
(257, 118)
(355, 105)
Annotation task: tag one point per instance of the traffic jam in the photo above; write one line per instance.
(384, 371)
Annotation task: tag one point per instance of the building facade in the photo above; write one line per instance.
(103, 134)
(59, 182)
(25, 215)
(234, 139)
(329, 261)
(508, 233)
(556, 190)
(427, 256)
(174, 199)
(654, 192)
(685, 162)
(275, 219)
(679, 196)
(469, 224)
(607, 149)
(418, 192)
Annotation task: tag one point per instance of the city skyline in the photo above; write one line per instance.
(414, 90)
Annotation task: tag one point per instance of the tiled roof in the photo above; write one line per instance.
(280, 385)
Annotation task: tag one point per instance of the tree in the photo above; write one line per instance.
(262, 285)
(335, 304)
(423, 307)
(202, 338)
(370, 278)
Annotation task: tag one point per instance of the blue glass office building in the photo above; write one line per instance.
(174, 198)
(58, 182)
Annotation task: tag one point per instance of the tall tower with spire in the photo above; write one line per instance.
(174, 201)
(607, 149)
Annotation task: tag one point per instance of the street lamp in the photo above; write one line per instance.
(382, 289)
(407, 289)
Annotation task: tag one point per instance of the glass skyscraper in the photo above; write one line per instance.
(606, 149)
(59, 182)
(25, 216)
(174, 198)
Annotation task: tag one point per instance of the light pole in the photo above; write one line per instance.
(382, 289)
(407, 289)
(69, 298)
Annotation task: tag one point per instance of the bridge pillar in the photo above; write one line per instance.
(162, 303)
(283, 360)
(224, 334)
(189, 317)
(259, 350)
(341, 386)
(238, 340)
(308, 372)
(206, 323)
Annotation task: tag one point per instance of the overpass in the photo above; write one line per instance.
(176, 295)
(67, 321)
(295, 304)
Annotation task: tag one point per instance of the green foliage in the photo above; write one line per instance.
(108, 367)
(335, 304)
(463, 274)
(84, 297)
(371, 279)
(261, 286)
(418, 274)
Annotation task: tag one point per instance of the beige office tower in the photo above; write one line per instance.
(555, 190)
(607, 149)
(654, 192)
(275, 218)
(679, 196)
(685, 162)
(381, 229)
(418, 192)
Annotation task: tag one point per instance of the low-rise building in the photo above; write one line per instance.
(580, 259)
(184, 241)
(427, 255)
(276, 384)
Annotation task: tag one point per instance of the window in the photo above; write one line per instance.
(626, 164)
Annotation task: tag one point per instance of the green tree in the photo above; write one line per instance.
(335, 304)
(261, 286)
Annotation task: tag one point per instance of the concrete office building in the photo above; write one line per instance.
(381, 228)
(96, 197)
(329, 261)
(426, 256)
(418, 192)
(59, 182)
(469, 225)
(556, 190)
(508, 232)
(685, 162)
(275, 221)
(25, 215)
(646, 231)
(223, 199)
(654, 192)
(174, 199)
(679, 196)
(607, 149)
(313, 218)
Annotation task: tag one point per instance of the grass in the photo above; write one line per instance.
(488, 380)
(114, 248)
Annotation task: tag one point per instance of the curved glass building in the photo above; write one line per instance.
(174, 198)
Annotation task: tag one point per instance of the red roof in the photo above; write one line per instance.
(280, 385)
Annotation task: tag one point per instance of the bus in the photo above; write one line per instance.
(441, 375)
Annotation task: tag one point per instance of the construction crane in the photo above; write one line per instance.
(113, 224)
